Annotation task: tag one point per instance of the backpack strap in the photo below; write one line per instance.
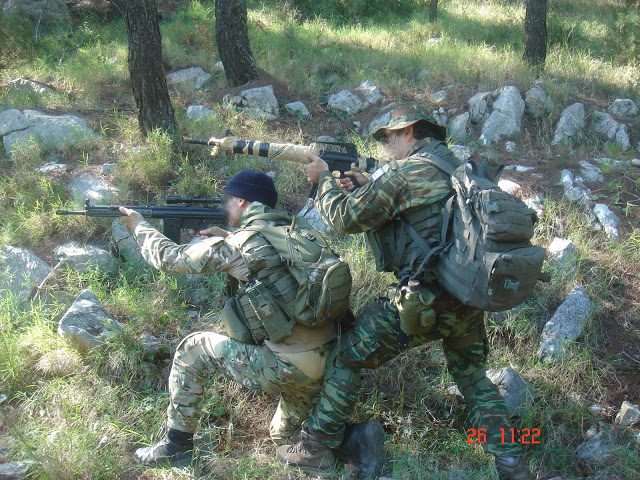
(429, 247)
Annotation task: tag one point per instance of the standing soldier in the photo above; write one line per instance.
(275, 343)
(407, 191)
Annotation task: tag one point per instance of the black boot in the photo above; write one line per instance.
(512, 468)
(174, 450)
(365, 443)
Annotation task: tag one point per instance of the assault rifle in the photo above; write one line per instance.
(174, 217)
(341, 161)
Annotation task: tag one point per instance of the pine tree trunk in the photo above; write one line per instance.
(433, 11)
(535, 32)
(148, 81)
(233, 42)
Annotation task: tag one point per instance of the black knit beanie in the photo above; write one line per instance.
(254, 186)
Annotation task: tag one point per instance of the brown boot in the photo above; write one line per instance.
(512, 468)
(309, 455)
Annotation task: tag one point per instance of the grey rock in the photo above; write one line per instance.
(218, 67)
(22, 271)
(535, 202)
(298, 109)
(478, 107)
(325, 138)
(595, 453)
(369, 92)
(629, 414)
(459, 127)
(537, 102)
(345, 103)
(13, 120)
(378, 122)
(88, 187)
(622, 138)
(108, 168)
(563, 255)
(193, 75)
(232, 102)
(260, 102)
(573, 190)
(635, 162)
(508, 186)
(623, 108)
(604, 124)
(84, 257)
(438, 97)
(462, 152)
(14, 470)
(571, 123)
(440, 116)
(565, 325)
(53, 131)
(150, 343)
(608, 220)
(25, 85)
(127, 246)
(506, 118)
(510, 146)
(53, 167)
(591, 173)
(312, 215)
(86, 324)
(199, 112)
(515, 390)
(53, 13)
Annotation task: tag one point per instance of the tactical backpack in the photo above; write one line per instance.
(486, 259)
(320, 293)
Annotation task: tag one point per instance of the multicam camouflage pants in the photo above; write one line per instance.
(254, 366)
(372, 342)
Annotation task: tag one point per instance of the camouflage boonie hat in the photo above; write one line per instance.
(408, 115)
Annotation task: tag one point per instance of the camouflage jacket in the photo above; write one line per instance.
(219, 254)
(409, 187)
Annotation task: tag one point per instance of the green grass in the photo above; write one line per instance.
(80, 415)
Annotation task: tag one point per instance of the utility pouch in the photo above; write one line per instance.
(264, 312)
(415, 311)
(234, 322)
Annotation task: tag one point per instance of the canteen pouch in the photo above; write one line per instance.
(234, 322)
(417, 316)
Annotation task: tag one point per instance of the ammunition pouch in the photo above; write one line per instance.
(264, 317)
(234, 322)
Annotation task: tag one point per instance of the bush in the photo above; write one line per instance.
(355, 10)
(15, 44)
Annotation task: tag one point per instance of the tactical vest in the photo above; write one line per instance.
(394, 246)
(274, 300)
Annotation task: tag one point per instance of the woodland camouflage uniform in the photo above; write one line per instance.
(294, 367)
(416, 190)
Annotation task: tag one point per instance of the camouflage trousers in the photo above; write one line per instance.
(372, 341)
(254, 366)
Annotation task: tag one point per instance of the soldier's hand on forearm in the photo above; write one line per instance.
(347, 183)
(315, 167)
(131, 220)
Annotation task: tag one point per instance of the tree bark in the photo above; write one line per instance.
(233, 42)
(148, 81)
(535, 32)
(433, 11)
